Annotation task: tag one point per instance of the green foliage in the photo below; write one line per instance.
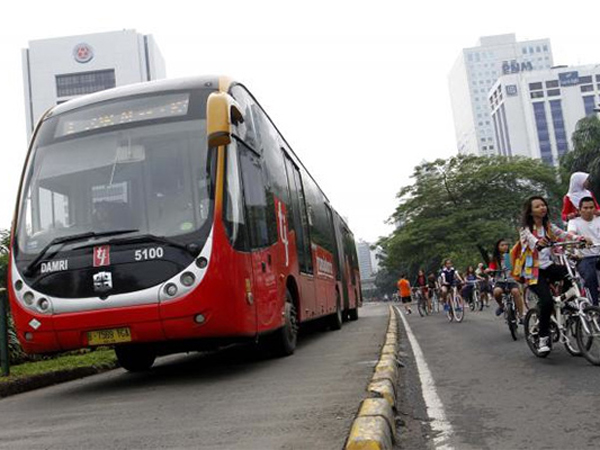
(459, 207)
(102, 357)
(585, 156)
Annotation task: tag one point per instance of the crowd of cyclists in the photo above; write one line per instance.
(528, 269)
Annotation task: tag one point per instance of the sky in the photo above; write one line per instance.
(359, 89)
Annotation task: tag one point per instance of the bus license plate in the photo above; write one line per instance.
(105, 337)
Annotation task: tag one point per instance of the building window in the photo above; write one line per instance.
(541, 124)
(597, 77)
(537, 94)
(531, 50)
(524, 50)
(589, 104)
(584, 80)
(535, 86)
(587, 88)
(553, 92)
(559, 127)
(545, 48)
(505, 130)
(552, 83)
(72, 84)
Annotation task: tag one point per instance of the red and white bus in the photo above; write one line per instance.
(172, 216)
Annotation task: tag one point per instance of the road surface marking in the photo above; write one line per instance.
(435, 409)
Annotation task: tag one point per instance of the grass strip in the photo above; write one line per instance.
(97, 358)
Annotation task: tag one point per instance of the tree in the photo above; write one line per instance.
(585, 156)
(457, 208)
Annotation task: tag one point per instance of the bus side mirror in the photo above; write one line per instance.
(221, 113)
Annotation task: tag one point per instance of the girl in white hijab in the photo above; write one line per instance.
(578, 189)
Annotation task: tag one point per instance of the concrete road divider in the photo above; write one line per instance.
(374, 427)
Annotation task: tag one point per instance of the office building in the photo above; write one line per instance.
(535, 113)
(59, 69)
(475, 72)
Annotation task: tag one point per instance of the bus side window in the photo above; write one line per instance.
(260, 207)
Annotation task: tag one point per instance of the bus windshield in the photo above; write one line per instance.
(138, 165)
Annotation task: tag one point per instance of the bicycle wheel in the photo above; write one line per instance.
(450, 308)
(588, 334)
(511, 319)
(532, 327)
(571, 344)
(421, 305)
(480, 300)
(459, 308)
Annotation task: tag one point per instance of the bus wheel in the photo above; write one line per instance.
(284, 340)
(135, 358)
(336, 319)
(353, 314)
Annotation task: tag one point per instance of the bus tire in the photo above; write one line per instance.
(336, 319)
(283, 341)
(135, 358)
(353, 314)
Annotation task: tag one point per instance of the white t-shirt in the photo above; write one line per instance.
(589, 229)
(545, 255)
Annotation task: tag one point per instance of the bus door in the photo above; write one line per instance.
(299, 222)
(340, 272)
(262, 227)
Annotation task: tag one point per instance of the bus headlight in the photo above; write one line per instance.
(171, 289)
(28, 298)
(187, 279)
(43, 304)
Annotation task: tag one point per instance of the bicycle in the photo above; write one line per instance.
(475, 303)
(435, 299)
(508, 303)
(574, 319)
(422, 305)
(456, 310)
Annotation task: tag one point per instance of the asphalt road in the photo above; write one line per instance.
(494, 393)
(229, 400)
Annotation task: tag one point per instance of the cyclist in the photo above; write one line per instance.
(535, 264)
(471, 278)
(501, 261)
(421, 284)
(484, 282)
(449, 278)
(432, 285)
(588, 225)
(404, 293)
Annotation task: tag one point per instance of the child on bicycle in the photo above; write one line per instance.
(421, 284)
(536, 265)
(470, 279)
(501, 261)
(449, 278)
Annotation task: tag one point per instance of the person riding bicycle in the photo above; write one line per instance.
(535, 265)
(587, 224)
(501, 261)
(432, 285)
(470, 279)
(421, 284)
(485, 286)
(449, 278)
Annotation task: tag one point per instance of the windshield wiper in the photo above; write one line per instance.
(190, 248)
(62, 240)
